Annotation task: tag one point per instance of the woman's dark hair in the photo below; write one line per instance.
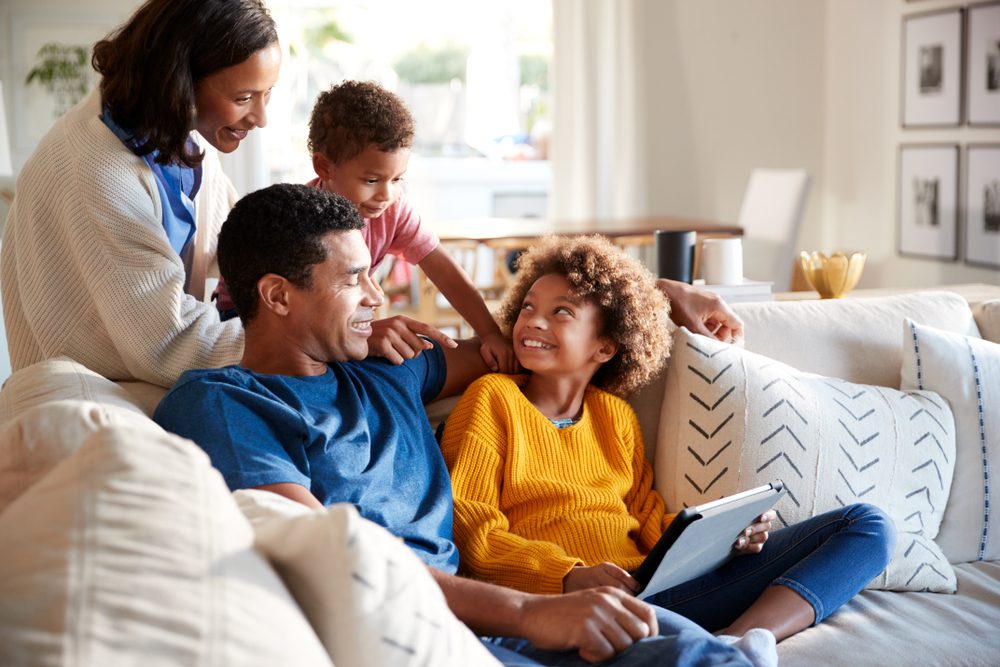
(150, 65)
(279, 229)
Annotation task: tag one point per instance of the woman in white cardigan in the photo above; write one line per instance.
(113, 228)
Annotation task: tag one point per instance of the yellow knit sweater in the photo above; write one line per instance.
(532, 501)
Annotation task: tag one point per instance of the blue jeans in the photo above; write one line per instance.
(680, 642)
(826, 559)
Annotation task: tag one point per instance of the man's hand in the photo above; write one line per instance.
(398, 338)
(602, 574)
(598, 622)
(701, 311)
(498, 353)
(752, 539)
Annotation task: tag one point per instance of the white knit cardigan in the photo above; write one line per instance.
(86, 269)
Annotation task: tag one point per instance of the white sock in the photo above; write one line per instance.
(757, 644)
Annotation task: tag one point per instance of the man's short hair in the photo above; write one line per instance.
(280, 230)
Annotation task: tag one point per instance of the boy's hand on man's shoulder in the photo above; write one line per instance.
(399, 338)
(498, 353)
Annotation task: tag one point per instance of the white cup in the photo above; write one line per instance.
(722, 261)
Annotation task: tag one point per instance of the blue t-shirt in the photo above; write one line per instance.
(357, 434)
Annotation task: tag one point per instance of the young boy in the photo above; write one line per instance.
(360, 136)
(552, 489)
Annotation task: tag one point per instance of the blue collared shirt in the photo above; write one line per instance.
(177, 184)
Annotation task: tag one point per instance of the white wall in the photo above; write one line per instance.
(739, 85)
(790, 83)
(862, 135)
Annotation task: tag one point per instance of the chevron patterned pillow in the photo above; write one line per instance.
(732, 420)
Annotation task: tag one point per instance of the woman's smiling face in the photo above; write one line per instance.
(231, 102)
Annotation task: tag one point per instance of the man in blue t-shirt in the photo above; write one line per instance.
(307, 416)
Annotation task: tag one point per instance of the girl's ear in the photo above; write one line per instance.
(272, 290)
(607, 351)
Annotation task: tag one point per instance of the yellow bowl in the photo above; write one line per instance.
(832, 276)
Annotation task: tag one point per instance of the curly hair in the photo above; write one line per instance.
(151, 64)
(355, 114)
(279, 229)
(634, 311)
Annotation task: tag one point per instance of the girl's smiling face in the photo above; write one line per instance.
(559, 334)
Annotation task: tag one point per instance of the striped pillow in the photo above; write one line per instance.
(966, 372)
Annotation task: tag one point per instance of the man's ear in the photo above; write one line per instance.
(322, 166)
(273, 292)
(607, 351)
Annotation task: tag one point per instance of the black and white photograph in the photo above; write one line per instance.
(982, 205)
(928, 200)
(983, 65)
(932, 69)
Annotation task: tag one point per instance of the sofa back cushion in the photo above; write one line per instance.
(851, 339)
(733, 420)
(987, 314)
(132, 551)
(56, 379)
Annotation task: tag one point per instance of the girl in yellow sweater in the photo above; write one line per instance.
(552, 489)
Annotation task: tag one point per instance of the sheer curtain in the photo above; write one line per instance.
(598, 152)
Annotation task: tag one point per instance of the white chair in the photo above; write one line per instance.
(771, 216)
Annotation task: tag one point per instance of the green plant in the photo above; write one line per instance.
(62, 70)
(423, 64)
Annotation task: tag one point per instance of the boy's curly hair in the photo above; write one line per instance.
(634, 311)
(355, 114)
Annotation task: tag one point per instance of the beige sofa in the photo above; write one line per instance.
(121, 545)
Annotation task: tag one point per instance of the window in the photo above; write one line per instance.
(473, 73)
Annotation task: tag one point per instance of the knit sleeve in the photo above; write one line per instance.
(643, 502)
(137, 283)
(474, 447)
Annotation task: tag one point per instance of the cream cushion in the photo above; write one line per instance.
(987, 314)
(733, 420)
(368, 596)
(966, 371)
(132, 551)
(57, 379)
(852, 339)
(43, 435)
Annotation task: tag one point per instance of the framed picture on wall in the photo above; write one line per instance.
(928, 200)
(982, 60)
(932, 69)
(982, 205)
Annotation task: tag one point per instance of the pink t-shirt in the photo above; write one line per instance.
(396, 232)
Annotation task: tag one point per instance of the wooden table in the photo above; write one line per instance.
(491, 229)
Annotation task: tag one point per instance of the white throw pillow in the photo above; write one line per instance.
(733, 420)
(966, 371)
(367, 595)
(40, 437)
(132, 551)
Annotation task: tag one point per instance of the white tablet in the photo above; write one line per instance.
(701, 538)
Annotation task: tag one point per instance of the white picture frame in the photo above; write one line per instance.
(932, 69)
(33, 107)
(928, 201)
(983, 65)
(982, 205)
